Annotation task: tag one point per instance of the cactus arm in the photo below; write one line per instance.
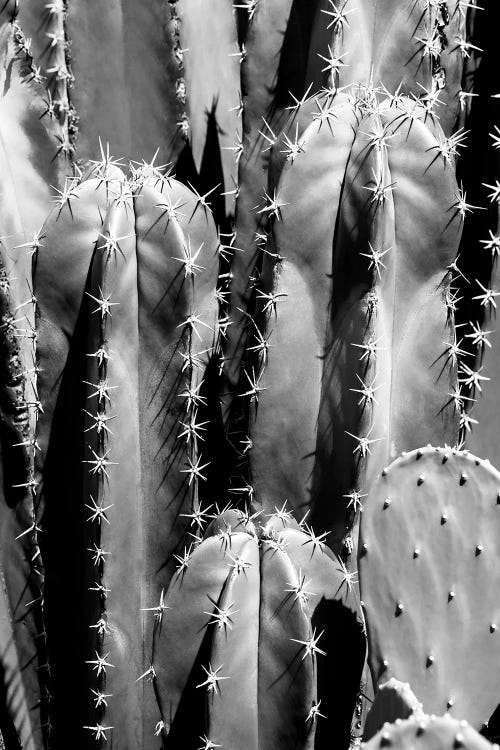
(364, 303)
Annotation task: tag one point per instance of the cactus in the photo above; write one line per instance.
(437, 732)
(145, 329)
(214, 344)
(371, 341)
(394, 700)
(273, 588)
(431, 524)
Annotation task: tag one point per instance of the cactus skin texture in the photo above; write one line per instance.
(433, 732)
(158, 362)
(153, 262)
(262, 587)
(394, 700)
(431, 524)
(335, 297)
(145, 485)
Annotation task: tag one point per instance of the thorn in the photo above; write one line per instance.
(317, 541)
(299, 590)
(100, 698)
(194, 470)
(298, 102)
(183, 560)
(100, 664)
(311, 646)
(364, 443)
(190, 265)
(333, 63)
(99, 731)
(339, 20)
(375, 257)
(255, 387)
(370, 349)
(98, 511)
(213, 679)
(238, 565)
(99, 463)
(273, 205)
(222, 617)
(149, 674)
(355, 500)
(472, 378)
(314, 712)
(488, 298)
(160, 609)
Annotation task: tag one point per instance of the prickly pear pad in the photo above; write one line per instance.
(441, 732)
(429, 575)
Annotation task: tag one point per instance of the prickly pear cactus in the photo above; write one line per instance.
(429, 549)
(394, 700)
(436, 732)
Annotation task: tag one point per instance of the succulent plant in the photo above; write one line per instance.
(213, 346)
(443, 732)
(273, 588)
(431, 524)
(394, 700)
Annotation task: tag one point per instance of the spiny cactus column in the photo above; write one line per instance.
(29, 161)
(248, 602)
(355, 302)
(416, 48)
(429, 575)
(436, 732)
(70, 236)
(153, 315)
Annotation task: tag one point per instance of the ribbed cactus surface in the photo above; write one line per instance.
(248, 270)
